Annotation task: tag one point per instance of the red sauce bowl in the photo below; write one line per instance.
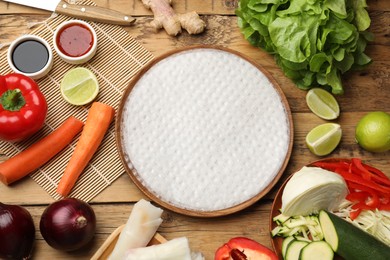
(75, 41)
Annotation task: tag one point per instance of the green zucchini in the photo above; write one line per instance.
(318, 250)
(285, 244)
(349, 241)
(294, 249)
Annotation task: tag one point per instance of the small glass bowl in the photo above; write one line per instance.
(75, 59)
(31, 59)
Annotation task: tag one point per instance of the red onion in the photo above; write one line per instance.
(68, 224)
(17, 232)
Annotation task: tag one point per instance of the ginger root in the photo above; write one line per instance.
(165, 17)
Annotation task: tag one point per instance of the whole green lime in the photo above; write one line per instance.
(372, 132)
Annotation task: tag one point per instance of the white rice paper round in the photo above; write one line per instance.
(204, 130)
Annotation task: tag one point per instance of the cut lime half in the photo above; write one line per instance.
(323, 139)
(79, 86)
(322, 103)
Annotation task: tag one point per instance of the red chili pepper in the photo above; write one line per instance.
(244, 248)
(23, 107)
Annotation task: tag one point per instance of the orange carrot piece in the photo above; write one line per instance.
(40, 152)
(98, 120)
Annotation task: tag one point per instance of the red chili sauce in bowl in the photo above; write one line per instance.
(75, 40)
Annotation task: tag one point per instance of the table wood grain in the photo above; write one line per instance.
(366, 90)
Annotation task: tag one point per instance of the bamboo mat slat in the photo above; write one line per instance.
(118, 59)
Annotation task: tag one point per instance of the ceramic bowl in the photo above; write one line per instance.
(26, 52)
(75, 59)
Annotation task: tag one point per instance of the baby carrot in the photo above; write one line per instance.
(40, 152)
(98, 120)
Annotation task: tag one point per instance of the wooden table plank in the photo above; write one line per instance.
(202, 233)
(135, 7)
(366, 90)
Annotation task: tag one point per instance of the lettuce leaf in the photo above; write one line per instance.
(314, 41)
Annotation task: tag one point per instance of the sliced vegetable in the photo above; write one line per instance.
(243, 248)
(319, 250)
(17, 232)
(177, 248)
(286, 242)
(68, 224)
(349, 241)
(40, 152)
(99, 118)
(294, 249)
(369, 187)
(312, 189)
(141, 226)
(301, 228)
(375, 222)
(23, 107)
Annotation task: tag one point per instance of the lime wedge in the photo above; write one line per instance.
(79, 86)
(322, 103)
(323, 139)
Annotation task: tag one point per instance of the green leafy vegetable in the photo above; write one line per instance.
(314, 41)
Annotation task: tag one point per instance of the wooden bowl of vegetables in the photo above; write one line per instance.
(368, 194)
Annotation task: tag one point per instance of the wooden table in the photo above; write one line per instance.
(365, 91)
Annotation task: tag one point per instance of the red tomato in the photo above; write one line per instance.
(242, 248)
(23, 107)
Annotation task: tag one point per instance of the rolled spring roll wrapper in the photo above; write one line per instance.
(175, 249)
(141, 226)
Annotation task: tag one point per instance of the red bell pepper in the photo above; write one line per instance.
(360, 169)
(369, 187)
(355, 213)
(357, 196)
(23, 107)
(376, 172)
(241, 248)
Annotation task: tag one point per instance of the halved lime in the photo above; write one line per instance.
(323, 139)
(79, 86)
(322, 103)
(372, 132)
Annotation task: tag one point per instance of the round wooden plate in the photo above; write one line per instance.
(277, 205)
(127, 159)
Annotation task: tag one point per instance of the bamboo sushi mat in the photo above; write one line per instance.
(118, 59)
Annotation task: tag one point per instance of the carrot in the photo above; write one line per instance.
(98, 120)
(40, 152)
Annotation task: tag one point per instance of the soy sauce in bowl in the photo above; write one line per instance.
(30, 56)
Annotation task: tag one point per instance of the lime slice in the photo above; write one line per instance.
(79, 86)
(322, 103)
(323, 139)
